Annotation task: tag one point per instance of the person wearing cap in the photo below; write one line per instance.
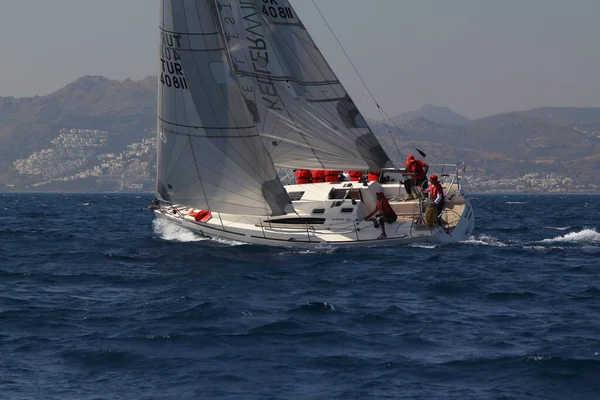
(417, 171)
(436, 194)
(385, 213)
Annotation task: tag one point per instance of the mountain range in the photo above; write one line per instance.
(98, 134)
(441, 115)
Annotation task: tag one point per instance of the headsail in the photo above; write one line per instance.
(304, 114)
(210, 155)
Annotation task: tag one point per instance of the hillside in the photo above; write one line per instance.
(99, 134)
(430, 112)
(508, 145)
(30, 124)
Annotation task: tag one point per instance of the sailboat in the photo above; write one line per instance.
(244, 93)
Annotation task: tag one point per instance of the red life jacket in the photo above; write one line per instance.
(434, 190)
(383, 206)
(418, 168)
(332, 176)
(355, 175)
(374, 176)
(318, 175)
(303, 176)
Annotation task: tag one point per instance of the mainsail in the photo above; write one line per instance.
(210, 155)
(304, 114)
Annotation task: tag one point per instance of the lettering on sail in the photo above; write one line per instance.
(171, 72)
(257, 57)
(272, 9)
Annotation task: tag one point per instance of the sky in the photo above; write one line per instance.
(478, 57)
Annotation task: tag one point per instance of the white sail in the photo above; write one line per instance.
(210, 155)
(304, 114)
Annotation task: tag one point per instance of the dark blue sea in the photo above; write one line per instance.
(98, 301)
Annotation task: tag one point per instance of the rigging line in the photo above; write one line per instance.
(363, 81)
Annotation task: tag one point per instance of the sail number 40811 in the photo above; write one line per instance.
(277, 12)
(173, 81)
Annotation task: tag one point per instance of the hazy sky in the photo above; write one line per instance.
(478, 57)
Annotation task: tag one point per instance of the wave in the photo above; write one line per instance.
(557, 228)
(586, 236)
(423, 245)
(485, 240)
(229, 242)
(168, 230)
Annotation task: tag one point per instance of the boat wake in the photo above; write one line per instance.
(485, 240)
(583, 237)
(170, 231)
(586, 236)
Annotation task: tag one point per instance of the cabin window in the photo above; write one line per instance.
(335, 194)
(347, 210)
(318, 211)
(295, 196)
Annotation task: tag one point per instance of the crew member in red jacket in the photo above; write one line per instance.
(436, 194)
(318, 176)
(417, 175)
(385, 213)
(303, 176)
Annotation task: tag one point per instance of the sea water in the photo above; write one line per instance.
(99, 301)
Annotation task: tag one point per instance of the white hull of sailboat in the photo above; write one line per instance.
(342, 225)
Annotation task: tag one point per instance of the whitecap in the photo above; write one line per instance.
(539, 248)
(557, 228)
(485, 240)
(423, 245)
(587, 236)
(305, 251)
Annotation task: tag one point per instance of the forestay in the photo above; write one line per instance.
(210, 154)
(303, 113)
